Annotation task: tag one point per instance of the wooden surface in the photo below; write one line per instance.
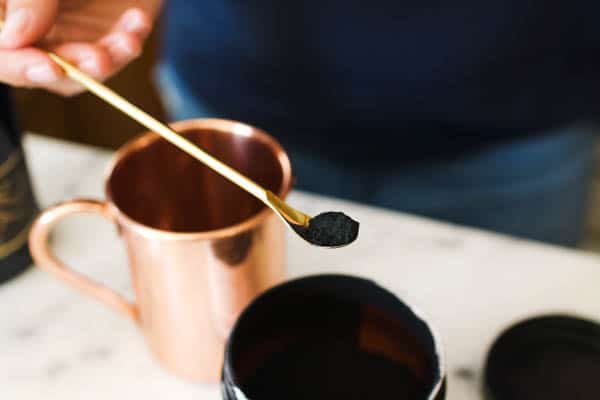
(85, 118)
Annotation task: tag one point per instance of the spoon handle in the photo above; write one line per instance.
(158, 127)
(286, 212)
(163, 130)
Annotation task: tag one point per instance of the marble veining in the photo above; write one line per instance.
(25, 333)
(465, 373)
(98, 353)
(56, 368)
(58, 344)
(449, 242)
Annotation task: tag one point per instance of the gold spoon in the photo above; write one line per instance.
(330, 229)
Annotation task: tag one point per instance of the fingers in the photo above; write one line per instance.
(26, 22)
(33, 68)
(27, 67)
(90, 58)
(121, 45)
(134, 21)
(125, 40)
(122, 48)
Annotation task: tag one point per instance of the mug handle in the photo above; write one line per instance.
(43, 257)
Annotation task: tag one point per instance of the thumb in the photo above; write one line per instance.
(27, 21)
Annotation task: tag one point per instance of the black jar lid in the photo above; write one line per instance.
(553, 357)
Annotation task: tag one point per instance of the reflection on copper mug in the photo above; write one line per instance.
(200, 249)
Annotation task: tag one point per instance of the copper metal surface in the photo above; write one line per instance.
(199, 247)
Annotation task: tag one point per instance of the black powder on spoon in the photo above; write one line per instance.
(330, 229)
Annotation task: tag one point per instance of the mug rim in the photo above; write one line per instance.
(222, 127)
(437, 389)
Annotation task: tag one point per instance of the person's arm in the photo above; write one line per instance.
(99, 36)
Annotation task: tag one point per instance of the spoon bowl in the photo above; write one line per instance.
(329, 229)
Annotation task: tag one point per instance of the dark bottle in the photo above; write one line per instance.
(17, 204)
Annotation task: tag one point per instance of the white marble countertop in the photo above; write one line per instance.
(57, 344)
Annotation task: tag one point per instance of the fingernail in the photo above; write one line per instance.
(42, 73)
(90, 66)
(119, 48)
(15, 26)
(132, 22)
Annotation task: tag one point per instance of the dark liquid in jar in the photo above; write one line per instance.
(333, 370)
(345, 355)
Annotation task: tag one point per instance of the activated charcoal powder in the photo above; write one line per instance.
(330, 229)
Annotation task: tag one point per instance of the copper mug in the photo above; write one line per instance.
(199, 248)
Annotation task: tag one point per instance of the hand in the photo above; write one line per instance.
(98, 36)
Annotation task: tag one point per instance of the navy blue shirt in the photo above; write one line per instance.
(390, 79)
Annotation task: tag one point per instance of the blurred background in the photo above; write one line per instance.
(85, 119)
